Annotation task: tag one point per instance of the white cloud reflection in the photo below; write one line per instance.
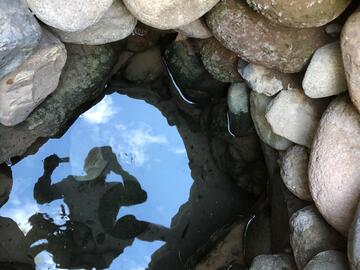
(101, 113)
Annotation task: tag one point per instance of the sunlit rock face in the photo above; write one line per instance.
(256, 92)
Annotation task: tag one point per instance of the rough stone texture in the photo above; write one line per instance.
(169, 14)
(295, 116)
(219, 61)
(238, 103)
(310, 235)
(354, 241)
(256, 40)
(195, 29)
(328, 260)
(81, 81)
(228, 251)
(350, 39)
(6, 183)
(189, 73)
(20, 33)
(69, 16)
(13, 245)
(267, 81)
(258, 237)
(300, 14)
(145, 66)
(334, 174)
(273, 262)
(143, 38)
(325, 76)
(258, 105)
(22, 90)
(294, 171)
(117, 23)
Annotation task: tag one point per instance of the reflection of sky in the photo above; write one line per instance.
(145, 145)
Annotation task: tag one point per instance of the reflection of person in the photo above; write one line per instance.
(93, 237)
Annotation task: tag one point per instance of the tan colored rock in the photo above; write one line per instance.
(350, 40)
(334, 174)
(259, 41)
(70, 16)
(294, 172)
(325, 75)
(220, 62)
(228, 251)
(295, 116)
(117, 23)
(195, 29)
(267, 81)
(258, 105)
(169, 14)
(145, 66)
(300, 14)
(22, 90)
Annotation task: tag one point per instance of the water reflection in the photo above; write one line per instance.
(92, 237)
(72, 218)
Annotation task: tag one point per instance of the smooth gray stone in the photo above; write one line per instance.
(328, 260)
(20, 33)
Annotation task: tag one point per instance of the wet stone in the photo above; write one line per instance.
(310, 235)
(328, 260)
(294, 171)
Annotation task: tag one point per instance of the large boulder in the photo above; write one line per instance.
(294, 171)
(117, 23)
(334, 174)
(354, 241)
(300, 14)
(169, 14)
(325, 75)
(350, 39)
(328, 260)
(258, 106)
(259, 41)
(70, 16)
(20, 33)
(310, 235)
(22, 90)
(267, 81)
(219, 61)
(295, 116)
(87, 67)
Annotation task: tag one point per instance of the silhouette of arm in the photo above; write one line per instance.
(44, 191)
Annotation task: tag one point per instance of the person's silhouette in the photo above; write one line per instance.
(92, 237)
